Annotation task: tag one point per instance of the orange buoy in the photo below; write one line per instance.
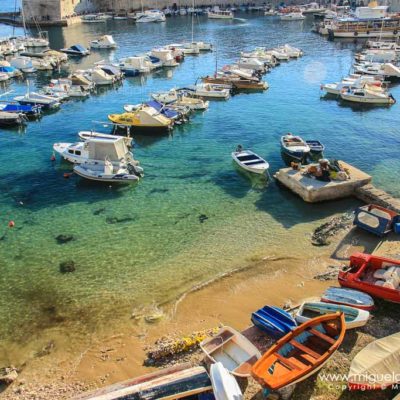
(67, 175)
(11, 224)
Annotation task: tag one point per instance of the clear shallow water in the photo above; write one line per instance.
(160, 248)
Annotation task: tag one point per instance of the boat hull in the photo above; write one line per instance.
(348, 297)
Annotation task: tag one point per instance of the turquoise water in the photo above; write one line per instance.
(146, 244)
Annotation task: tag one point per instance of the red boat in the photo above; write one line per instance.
(377, 276)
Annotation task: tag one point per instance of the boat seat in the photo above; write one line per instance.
(287, 363)
(322, 336)
(305, 349)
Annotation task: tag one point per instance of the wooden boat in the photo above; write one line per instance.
(274, 321)
(348, 297)
(377, 276)
(301, 353)
(316, 147)
(376, 366)
(236, 353)
(224, 384)
(354, 317)
(375, 219)
(250, 161)
(294, 147)
(177, 382)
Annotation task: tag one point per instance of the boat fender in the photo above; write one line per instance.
(53, 157)
(11, 224)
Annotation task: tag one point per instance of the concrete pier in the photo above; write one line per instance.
(313, 191)
(371, 195)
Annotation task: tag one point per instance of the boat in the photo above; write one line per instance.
(30, 111)
(24, 64)
(236, 353)
(377, 276)
(10, 71)
(8, 119)
(316, 148)
(294, 147)
(294, 16)
(87, 135)
(301, 353)
(367, 96)
(106, 172)
(165, 56)
(250, 161)
(375, 219)
(352, 83)
(33, 98)
(382, 45)
(104, 42)
(150, 16)
(76, 50)
(92, 19)
(354, 317)
(145, 118)
(220, 14)
(348, 297)
(292, 52)
(253, 64)
(180, 98)
(376, 366)
(225, 386)
(211, 91)
(274, 321)
(99, 77)
(4, 77)
(165, 110)
(388, 71)
(177, 382)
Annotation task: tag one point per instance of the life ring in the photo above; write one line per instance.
(355, 33)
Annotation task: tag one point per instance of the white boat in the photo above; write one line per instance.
(211, 91)
(150, 16)
(271, 12)
(181, 99)
(88, 135)
(278, 54)
(220, 14)
(44, 64)
(64, 88)
(253, 64)
(236, 353)
(4, 77)
(165, 56)
(354, 317)
(133, 66)
(33, 98)
(377, 56)
(92, 19)
(185, 49)
(203, 46)
(38, 41)
(250, 161)
(99, 77)
(105, 42)
(292, 52)
(24, 64)
(387, 70)
(106, 172)
(294, 16)
(294, 147)
(367, 96)
(96, 149)
(382, 45)
(225, 386)
(351, 83)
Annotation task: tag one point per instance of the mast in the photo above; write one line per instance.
(23, 15)
(193, 22)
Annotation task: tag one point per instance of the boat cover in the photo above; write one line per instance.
(18, 108)
(377, 359)
(168, 112)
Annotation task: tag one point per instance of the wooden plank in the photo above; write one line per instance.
(322, 336)
(286, 362)
(305, 349)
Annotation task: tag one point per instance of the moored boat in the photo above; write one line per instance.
(301, 353)
(8, 119)
(316, 148)
(211, 91)
(76, 50)
(375, 219)
(294, 147)
(354, 317)
(33, 98)
(104, 42)
(377, 276)
(225, 386)
(220, 14)
(250, 161)
(348, 297)
(367, 96)
(376, 366)
(236, 353)
(274, 321)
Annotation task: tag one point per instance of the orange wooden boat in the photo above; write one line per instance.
(300, 353)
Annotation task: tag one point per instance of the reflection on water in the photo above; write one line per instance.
(193, 215)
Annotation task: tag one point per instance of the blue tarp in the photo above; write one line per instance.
(169, 113)
(19, 108)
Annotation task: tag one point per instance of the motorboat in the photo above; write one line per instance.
(88, 135)
(104, 42)
(294, 147)
(64, 87)
(112, 70)
(106, 172)
(145, 118)
(41, 41)
(301, 353)
(92, 19)
(377, 56)
(9, 70)
(150, 16)
(181, 98)
(96, 149)
(4, 77)
(76, 50)
(202, 46)
(166, 57)
(211, 91)
(386, 70)
(271, 12)
(367, 96)
(354, 317)
(235, 352)
(377, 276)
(78, 79)
(237, 83)
(316, 148)
(351, 83)
(30, 111)
(185, 48)
(292, 52)
(24, 64)
(33, 98)
(375, 219)
(160, 107)
(294, 16)
(376, 365)
(133, 66)
(225, 386)
(253, 64)
(99, 77)
(383, 45)
(274, 321)
(220, 14)
(348, 297)
(8, 119)
(250, 161)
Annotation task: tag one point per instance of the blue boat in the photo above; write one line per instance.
(316, 147)
(10, 71)
(31, 111)
(274, 321)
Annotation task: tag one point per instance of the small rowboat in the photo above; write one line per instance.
(250, 161)
(354, 317)
(294, 147)
(316, 147)
(348, 297)
(274, 321)
(301, 353)
(236, 353)
(224, 384)
(376, 366)
(377, 276)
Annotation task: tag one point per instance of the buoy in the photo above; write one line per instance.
(66, 175)
(11, 224)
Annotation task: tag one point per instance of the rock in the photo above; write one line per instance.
(202, 218)
(61, 239)
(329, 275)
(8, 375)
(99, 211)
(45, 350)
(115, 220)
(322, 234)
(67, 266)
(287, 305)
